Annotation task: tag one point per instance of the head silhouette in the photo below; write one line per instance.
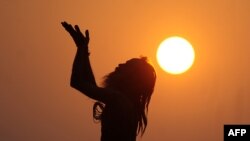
(135, 79)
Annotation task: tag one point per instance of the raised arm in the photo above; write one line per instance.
(82, 77)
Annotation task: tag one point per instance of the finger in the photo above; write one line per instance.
(79, 31)
(77, 28)
(87, 34)
(65, 24)
(69, 28)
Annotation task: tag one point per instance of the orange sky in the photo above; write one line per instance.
(37, 103)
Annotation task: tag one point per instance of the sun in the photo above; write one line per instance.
(175, 55)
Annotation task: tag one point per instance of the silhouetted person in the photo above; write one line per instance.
(122, 103)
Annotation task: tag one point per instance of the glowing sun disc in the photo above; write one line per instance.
(175, 55)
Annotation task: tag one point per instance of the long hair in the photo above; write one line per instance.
(136, 78)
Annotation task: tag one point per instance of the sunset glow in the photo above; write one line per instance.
(175, 55)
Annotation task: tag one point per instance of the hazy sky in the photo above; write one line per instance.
(37, 103)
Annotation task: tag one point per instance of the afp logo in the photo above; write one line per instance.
(236, 132)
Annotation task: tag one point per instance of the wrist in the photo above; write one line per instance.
(83, 51)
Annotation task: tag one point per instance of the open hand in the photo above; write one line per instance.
(80, 40)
